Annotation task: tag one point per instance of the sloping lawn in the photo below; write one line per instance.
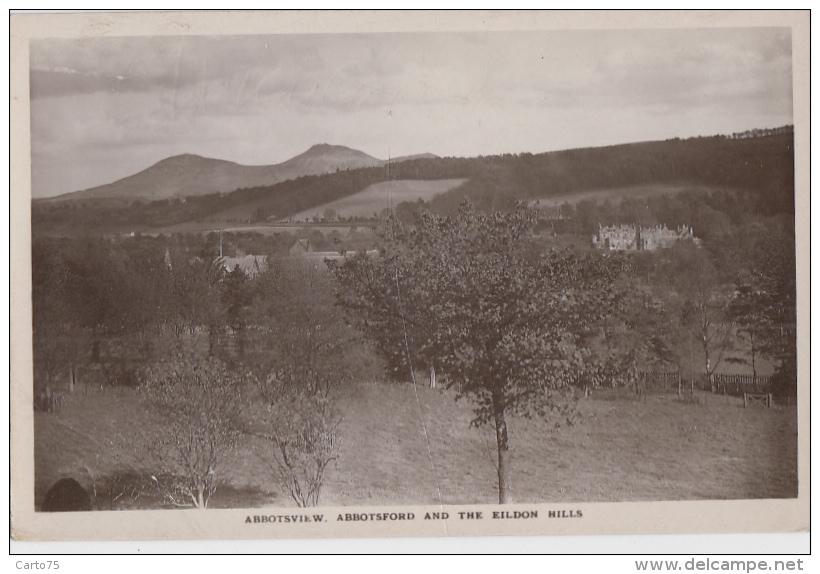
(622, 450)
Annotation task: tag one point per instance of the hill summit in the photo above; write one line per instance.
(189, 175)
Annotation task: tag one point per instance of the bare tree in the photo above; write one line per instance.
(301, 427)
(699, 294)
(198, 403)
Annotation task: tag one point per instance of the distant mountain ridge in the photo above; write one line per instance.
(756, 170)
(190, 175)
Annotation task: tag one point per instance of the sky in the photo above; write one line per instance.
(106, 108)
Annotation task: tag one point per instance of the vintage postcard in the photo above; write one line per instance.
(397, 274)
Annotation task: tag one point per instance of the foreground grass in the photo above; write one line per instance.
(622, 450)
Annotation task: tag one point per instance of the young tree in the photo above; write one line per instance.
(700, 295)
(198, 403)
(671, 337)
(308, 350)
(465, 294)
(300, 427)
(747, 311)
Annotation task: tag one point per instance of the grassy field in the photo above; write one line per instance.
(376, 197)
(623, 450)
(617, 194)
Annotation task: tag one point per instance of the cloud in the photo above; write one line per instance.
(115, 105)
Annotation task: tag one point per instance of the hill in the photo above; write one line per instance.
(179, 176)
(762, 168)
(323, 158)
(190, 175)
(758, 172)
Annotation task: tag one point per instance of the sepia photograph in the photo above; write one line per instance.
(285, 279)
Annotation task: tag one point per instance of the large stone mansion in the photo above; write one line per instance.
(636, 238)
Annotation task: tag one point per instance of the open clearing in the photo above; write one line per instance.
(378, 196)
(271, 229)
(623, 450)
(616, 194)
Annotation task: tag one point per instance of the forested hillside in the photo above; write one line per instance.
(763, 166)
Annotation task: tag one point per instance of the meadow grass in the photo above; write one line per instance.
(394, 449)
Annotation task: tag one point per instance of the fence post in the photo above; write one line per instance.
(744, 400)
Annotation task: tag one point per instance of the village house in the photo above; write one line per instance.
(303, 248)
(251, 265)
(636, 238)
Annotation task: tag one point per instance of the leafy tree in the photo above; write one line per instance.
(55, 340)
(97, 290)
(775, 274)
(764, 306)
(194, 294)
(139, 301)
(507, 326)
(235, 296)
(634, 328)
(309, 342)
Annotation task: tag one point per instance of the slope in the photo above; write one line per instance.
(190, 175)
(376, 197)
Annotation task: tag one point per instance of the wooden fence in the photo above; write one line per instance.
(730, 384)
